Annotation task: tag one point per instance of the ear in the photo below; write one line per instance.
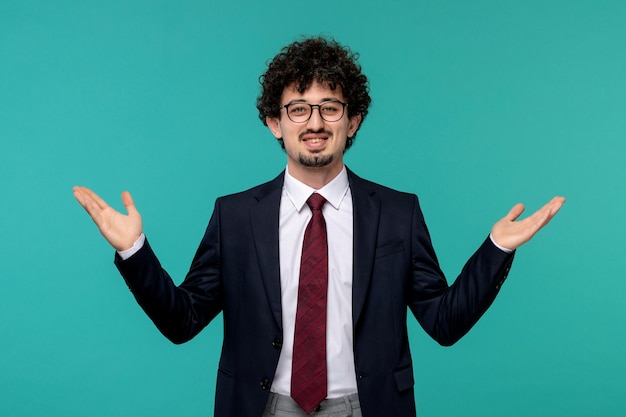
(353, 124)
(274, 125)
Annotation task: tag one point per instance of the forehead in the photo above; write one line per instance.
(316, 93)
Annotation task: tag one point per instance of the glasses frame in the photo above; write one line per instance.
(319, 107)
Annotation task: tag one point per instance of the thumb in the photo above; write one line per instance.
(515, 212)
(129, 204)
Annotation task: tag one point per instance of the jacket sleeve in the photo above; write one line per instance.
(445, 312)
(179, 312)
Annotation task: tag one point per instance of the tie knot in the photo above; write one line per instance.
(316, 201)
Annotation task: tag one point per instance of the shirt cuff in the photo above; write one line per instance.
(125, 254)
(503, 249)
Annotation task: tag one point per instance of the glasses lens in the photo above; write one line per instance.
(331, 111)
(299, 112)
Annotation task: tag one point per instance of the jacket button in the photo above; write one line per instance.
(265, 384)
(277, 343)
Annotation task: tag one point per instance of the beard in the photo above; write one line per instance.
(315, 161)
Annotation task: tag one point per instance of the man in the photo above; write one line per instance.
(314, 290)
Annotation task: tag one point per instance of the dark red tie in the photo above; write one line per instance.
(308, 372)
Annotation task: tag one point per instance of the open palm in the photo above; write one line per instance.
(511, 233)
(120, 230)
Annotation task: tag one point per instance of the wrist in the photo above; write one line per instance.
(137, 244)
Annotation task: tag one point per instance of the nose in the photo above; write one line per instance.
(315, 121)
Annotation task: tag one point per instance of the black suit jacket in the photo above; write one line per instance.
(236, 271)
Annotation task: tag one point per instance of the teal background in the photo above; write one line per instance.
(477, 105)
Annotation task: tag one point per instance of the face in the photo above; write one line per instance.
(315, 145)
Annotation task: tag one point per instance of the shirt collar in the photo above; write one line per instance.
(334, 192)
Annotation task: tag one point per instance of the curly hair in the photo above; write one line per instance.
(315, 59)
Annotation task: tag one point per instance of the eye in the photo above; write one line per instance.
(331, 108)
(298, 109)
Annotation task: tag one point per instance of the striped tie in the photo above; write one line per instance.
(308, 374)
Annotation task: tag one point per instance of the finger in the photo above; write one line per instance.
(553, 208)
(85, 200)
(543, 216)
(79, 196)
(515, 212)
(556, 204)
(95, 198)
(545, 213)
(88, 199)
(539, 219)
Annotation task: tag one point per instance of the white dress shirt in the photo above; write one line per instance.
(294, 217)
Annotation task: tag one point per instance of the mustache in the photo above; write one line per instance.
(311, 131)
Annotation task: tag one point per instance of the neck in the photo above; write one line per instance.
(315, 177)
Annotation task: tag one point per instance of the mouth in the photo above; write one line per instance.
(315, 141)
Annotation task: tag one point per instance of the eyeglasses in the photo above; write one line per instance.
(300, 112)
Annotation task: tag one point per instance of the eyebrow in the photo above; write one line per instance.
(324, 100)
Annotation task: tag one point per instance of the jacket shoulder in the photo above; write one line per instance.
(257, 192)
(383, 192)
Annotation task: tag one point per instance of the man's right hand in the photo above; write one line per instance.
(120, 230)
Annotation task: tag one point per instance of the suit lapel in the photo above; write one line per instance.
(366, 209)
(264, 215)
